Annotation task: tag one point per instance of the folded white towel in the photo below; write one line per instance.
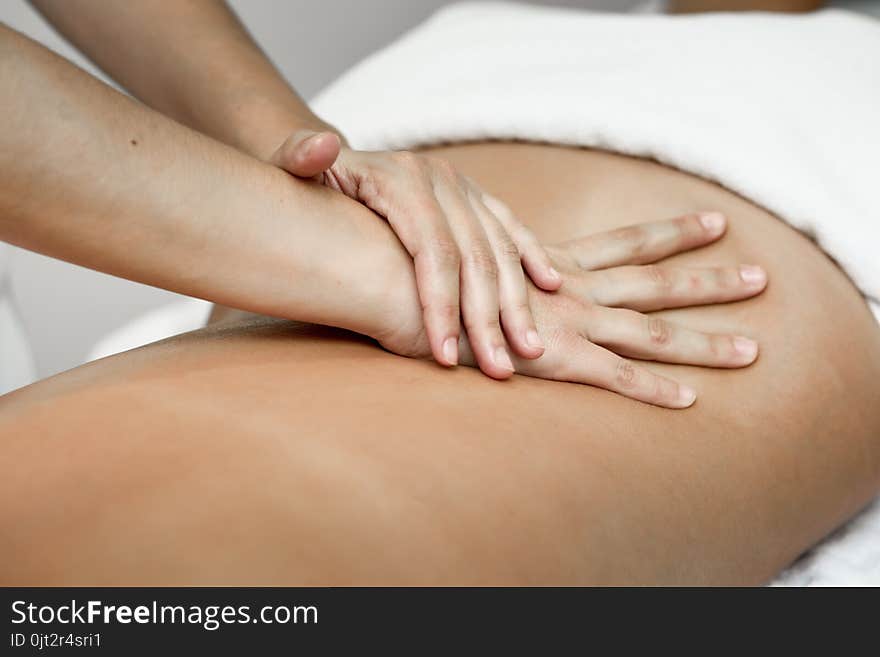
(780, 109)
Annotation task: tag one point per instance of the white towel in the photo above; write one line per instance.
(780, 109)
(16, 361)
(784, 110)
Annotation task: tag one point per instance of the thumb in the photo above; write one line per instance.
(306, 153)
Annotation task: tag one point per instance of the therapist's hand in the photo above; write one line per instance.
(469, 259)
(595, 322)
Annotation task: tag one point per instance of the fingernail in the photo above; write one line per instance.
(713, 222)
(555, 275)
(502, 360)
(450, 351)
(746, 347)
(309, 143)
(752, 274)
(533, 339)
(686, 396)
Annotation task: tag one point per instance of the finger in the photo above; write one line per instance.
(411, 208)
(421, 226)
(307, 153)
(655, 287)
(648, 337)
(649, 242)
(533, 256)
(436, 259)
(480, 307)
(516, 315)
(596, 366)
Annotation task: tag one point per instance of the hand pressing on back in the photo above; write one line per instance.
(592, 324)
(595, 323)
(469, 260)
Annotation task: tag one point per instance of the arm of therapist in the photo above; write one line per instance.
(193, 60)
(91, 176)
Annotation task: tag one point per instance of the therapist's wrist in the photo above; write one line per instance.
(352, 271)
(382, 299)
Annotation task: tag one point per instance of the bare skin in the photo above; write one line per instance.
(262, 453)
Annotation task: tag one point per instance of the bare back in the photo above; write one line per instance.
(268, 453)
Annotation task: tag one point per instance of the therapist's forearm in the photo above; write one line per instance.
(91, 176)
(191, 60)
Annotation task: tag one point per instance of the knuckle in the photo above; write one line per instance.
(423, 211)
(445, 254)
(443, 311)
(600, 282)
(487, 324)
(482, 261)
(517, 307)
(659, 276)
(659, 332)
(634, 238)
(508, 250)
(493, 325)
(665, 390)
(721, 347)
(688, 223)
(625, 374)
(729, 349)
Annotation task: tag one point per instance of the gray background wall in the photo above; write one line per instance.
(66, 309)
